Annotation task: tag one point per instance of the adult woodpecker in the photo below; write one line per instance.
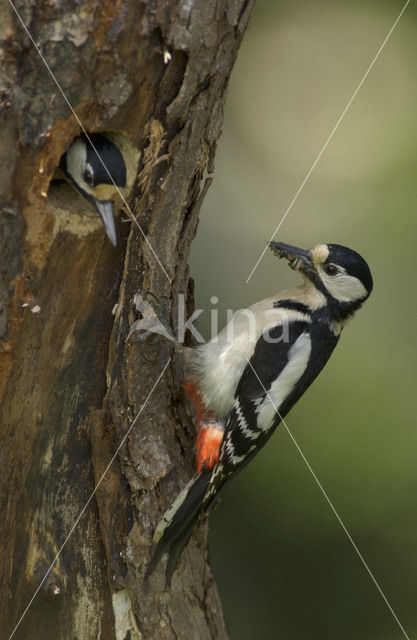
(244, 381)
(96, 168)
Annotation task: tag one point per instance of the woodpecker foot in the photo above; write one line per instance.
(208, 444)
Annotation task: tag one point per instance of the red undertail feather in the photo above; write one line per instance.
(210, 434)
(207, 446)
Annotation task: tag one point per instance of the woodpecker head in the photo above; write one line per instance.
(95, 167)
(341, 274)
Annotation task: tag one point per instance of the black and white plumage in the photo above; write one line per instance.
(95, 166)
(256, 369)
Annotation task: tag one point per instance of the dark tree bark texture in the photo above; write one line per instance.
(70, 383)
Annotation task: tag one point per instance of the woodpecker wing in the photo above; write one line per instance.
(270, 382)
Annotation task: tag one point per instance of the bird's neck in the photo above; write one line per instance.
(322, 304)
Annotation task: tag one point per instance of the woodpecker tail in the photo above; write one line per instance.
(177, 524)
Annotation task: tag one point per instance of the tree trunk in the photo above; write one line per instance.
(70, 383)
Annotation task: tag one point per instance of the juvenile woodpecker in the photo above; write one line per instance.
(244, 381)
(95, 167)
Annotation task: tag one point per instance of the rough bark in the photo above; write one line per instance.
(70, 383)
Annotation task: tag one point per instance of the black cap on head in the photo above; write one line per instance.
(110, 157)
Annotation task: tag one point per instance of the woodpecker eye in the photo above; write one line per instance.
(88, 177)
(331, 269)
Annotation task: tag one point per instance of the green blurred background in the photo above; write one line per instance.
(284, 565)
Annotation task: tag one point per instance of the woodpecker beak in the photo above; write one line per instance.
(106, 213)
(298, 259)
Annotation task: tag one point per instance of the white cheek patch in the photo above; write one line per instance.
(343, 287)
(76, 164)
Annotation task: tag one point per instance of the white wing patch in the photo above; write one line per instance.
(298, 357)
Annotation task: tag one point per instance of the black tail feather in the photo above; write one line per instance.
(176, 526)
(175, 552)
